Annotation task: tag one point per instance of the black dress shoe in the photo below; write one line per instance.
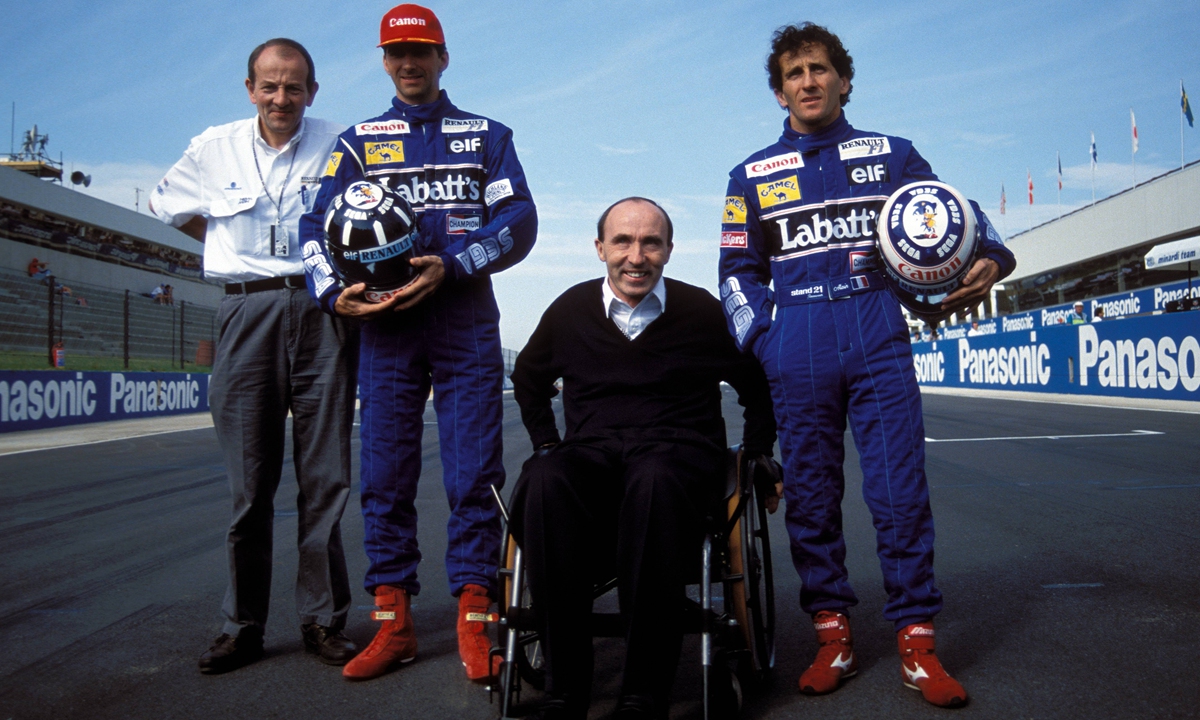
(636, 707)
(556, 708)
(230, 653)
(330, 646)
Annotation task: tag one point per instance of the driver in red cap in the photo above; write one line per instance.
(461, 174)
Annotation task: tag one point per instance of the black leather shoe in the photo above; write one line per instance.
(635, 707)
(230, 653)
(330, 646)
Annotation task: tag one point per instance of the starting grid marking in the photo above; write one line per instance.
(1135, 433)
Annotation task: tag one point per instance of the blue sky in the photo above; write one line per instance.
(609, 99)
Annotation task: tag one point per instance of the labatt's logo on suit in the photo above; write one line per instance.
(927, 238)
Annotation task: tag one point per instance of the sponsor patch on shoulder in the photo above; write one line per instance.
(787, 161)
(387, 127)
(497, 191)
(335, 159)
(733, 239)
(735, 210)
(461, 224)
(455, 125)
(777, 192)
(864, 147)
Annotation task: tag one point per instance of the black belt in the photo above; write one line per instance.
(831, 289)
(294, 282)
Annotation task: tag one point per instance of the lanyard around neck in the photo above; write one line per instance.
(278, 204)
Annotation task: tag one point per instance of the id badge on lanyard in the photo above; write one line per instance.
(279, 240)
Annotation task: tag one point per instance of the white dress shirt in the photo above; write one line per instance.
(634, 320)
(216, 178)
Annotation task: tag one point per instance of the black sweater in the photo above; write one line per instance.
(667, 378)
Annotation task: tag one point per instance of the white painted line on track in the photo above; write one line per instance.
(96, 433)
(1065, 586)
(1157, 487)
(1185, 407)
(1135, 433)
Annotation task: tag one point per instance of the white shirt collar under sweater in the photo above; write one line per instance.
(634, 320)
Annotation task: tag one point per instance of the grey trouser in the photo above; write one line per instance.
(278, 352)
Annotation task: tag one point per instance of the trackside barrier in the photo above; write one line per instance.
(34, 399)
(1155, 356)
(1117, 305)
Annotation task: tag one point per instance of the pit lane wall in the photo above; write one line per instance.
(37, 399)
(1153, 356)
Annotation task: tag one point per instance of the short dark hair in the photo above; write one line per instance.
(311, 80)
(794, 38)
(634, 198)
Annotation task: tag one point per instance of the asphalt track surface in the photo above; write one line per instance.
(1069, 558)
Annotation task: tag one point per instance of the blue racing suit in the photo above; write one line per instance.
(461, 174)
(803, 291)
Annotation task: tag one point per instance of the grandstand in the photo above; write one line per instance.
(96, 322)
(105, 261)
(1099, 249)
(84, 239)
(1096, 253)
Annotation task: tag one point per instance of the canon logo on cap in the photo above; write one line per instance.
(399, 22)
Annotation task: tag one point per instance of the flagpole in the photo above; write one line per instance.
(1133, 146)
(1059, 157)
(1180, 129)
(1092, 152)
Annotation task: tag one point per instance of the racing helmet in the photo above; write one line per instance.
(371, 234)
(927, 240)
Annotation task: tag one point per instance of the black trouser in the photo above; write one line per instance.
(278, 352)
(627, 499)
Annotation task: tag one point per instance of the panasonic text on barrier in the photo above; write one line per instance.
(34, 399)
(930, 366)
(1026, 364)
(1144, 363)
(142, 396)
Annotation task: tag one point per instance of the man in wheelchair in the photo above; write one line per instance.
(642, 359)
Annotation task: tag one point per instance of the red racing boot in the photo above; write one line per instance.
(921, 669)
(835, 660)
(394, 644)
(474, 645)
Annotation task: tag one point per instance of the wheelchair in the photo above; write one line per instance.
(736, 627)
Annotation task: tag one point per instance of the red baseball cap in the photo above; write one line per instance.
(410, 23)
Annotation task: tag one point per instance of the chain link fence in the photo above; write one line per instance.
(81, 326)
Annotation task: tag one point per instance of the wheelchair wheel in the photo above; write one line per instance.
(751, 587)
(530, 663)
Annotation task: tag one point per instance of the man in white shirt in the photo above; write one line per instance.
(241, 188)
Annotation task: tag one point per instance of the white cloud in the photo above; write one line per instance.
(1110, 177)
(609, 150)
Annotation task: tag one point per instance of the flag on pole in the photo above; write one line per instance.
(1133, 124)
(1094, 158)
(1185, 105)
(1029, 178)
(1059, 156)
(1003, 200)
